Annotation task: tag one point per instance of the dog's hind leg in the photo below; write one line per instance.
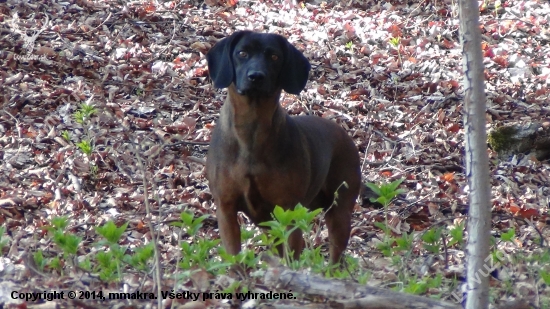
(338, 220)
(296, 243)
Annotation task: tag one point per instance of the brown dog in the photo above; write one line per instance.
(260, 157)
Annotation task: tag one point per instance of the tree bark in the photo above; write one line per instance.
(477, 161)
(343, 294)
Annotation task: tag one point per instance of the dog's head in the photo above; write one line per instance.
(258, 64)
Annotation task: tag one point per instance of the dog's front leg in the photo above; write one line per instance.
(230, 231)
(296, 243)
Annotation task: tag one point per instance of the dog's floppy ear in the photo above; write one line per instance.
(295, 72)
(220, 65)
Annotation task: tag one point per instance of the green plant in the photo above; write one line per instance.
(39, 260)
(86, 264)
(313, 259)
(111, 232)
(3, 242)
(196, 255)
(432, 239)
(249, 234)
(66, 135)
(386, 193)
(234, 287)
(395, 41)
(385, 246)
(349, 46)
(509, 235)
(363, 277)
(415, 286)
(457, 235)
(542, 258)
(83, 116)
(68, 242)
(351, 269)
(85, 146)
(189, 224)
(404, 243)
(107, 266)
(84, 113)
(58, 223)
(141, 257)
(498, 5)
(509, 286)
(284, 223)
(109, 262)
(55, 263)
(245, 258)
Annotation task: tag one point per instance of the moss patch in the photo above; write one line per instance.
(502, 139)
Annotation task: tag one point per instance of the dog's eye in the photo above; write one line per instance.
(243, 54)
(274, 57)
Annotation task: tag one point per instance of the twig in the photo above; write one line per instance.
(17, 125)
(186, 143)
(158, 274)
(366, 152)
(386, 138)
(171, 38)
(106, 19)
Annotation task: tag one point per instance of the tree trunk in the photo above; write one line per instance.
(477, 161)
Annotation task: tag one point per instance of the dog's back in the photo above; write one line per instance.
(336, 160)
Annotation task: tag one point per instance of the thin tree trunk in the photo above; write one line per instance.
(477, 161)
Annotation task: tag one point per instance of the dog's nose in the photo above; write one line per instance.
(255, 76)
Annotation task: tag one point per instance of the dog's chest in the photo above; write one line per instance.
(266, 191)
(261, 184)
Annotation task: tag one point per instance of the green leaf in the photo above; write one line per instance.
(60, 223)
(457, 235)
(432, 235)
(110, 231)
(85, 146)
(404, 243)
(432, 248)
(509, 235)
(284, 217)
(374, 188)
(67, 242)
(383, 227)
(55, 263)
(393, 186)
(39, 260)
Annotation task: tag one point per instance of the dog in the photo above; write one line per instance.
(259, 156)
